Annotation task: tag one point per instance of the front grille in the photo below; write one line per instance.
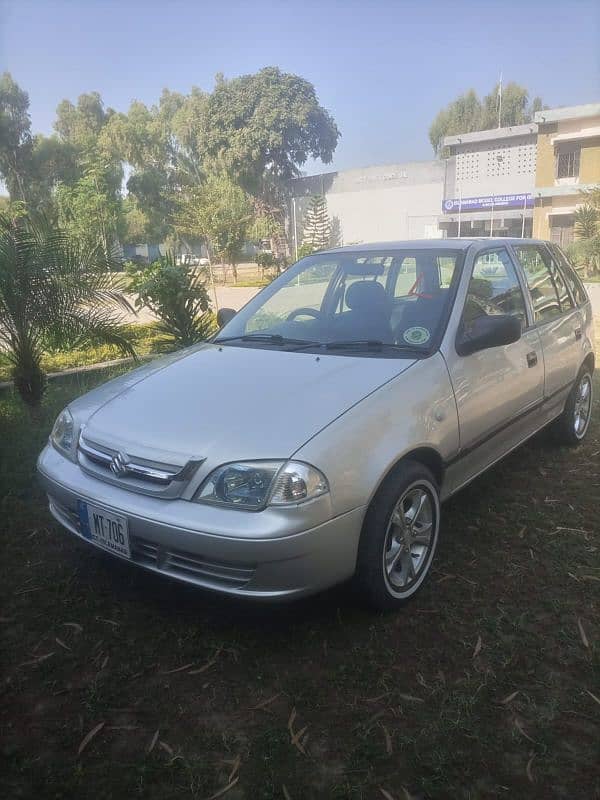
(134, 473)
(178, 563)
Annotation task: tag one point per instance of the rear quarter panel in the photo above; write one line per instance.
(357, 450)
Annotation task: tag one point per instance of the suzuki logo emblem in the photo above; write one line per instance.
(118, 465)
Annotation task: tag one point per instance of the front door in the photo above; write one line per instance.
(497, 390)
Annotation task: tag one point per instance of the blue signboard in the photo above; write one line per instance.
(454, 204)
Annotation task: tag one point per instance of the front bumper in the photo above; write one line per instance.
(273, 554)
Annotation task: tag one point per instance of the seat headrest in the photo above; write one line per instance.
(366, 295)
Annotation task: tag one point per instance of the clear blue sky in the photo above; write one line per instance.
(383, 68)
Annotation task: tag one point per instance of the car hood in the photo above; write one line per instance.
(229, 403)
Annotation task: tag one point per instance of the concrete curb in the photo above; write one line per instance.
(88, 368)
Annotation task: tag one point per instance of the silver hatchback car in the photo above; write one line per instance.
(314, 438)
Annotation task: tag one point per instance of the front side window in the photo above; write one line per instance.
(494, 288)
(353, 301)
(567, 162)
(549, 295)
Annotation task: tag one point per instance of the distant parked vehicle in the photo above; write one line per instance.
(188, 259)
(315, 437)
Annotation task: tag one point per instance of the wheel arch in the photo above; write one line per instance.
(427, 456)
(589, 361)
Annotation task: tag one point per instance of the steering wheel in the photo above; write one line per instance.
(312, 312)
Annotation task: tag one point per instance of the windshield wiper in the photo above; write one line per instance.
(270, 338)
(367, 344)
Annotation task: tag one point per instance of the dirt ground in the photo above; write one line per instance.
(118, 684)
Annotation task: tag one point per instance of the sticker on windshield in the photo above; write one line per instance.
(416, 335)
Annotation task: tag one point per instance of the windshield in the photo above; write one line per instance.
(393, 300)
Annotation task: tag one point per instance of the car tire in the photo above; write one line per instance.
(399, 537)
(574, 422)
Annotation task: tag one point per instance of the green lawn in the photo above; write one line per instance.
(146, 339)
(486, 686)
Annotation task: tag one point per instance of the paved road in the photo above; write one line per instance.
(227, 297)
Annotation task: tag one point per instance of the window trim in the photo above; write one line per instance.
(520, 280)
(562, 260)
(543, 246)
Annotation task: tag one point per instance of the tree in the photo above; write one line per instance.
(53, 289)
(220, 212)
(317, 226)
(89, 210)
(585, 250)
(468, 113)
(263, 127)
(178, 296)
(15, 137)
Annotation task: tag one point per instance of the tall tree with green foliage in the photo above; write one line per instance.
(89, 210)
(31, 166)
(262, 128)
(53, 289)
(15, 137)
(220, 212)
(89, 204)
(317, 225)
(467, 113)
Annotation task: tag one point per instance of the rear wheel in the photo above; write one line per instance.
(399, 537)
(573, 424)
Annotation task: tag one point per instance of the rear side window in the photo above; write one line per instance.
(494, 288)
(572, 278)
(549, 295)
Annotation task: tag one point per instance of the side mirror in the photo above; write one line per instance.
(485, 332)
(224, 315)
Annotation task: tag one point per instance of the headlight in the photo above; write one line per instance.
(256, 484)
(63, 433)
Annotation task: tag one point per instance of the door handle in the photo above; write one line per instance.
(531, 359)
(578, 334)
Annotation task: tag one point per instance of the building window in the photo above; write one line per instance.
(567, 163)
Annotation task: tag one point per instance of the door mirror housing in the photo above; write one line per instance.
(224, 315)
(488, 331)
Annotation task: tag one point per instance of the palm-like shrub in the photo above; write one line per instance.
(586, 221)
(178, 296)
(52, 289)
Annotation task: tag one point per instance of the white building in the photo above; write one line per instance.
(385, 203)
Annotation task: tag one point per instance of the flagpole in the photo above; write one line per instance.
(459, 210)
(523, 224)
(500, 102)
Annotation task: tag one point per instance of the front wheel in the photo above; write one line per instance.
(573, 424)
(399, 537)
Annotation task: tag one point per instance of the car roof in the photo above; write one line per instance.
(432, 244)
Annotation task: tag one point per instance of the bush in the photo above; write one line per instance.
(178, 296)
(265, 260)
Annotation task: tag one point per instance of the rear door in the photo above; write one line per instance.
(558, 321)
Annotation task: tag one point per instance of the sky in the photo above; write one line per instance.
(382, 68)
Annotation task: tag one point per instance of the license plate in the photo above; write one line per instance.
(104, 528)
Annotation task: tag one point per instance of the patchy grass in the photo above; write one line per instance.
(146, 339)
(486, 686)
